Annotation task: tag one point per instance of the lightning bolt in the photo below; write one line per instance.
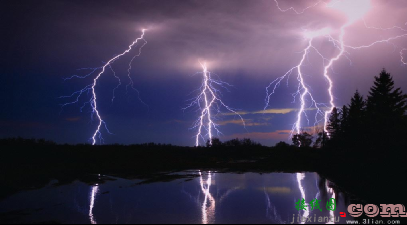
(210, 201)
(93, 194)
(333, 195)
(304, 91)
(326, 75)
(91, 88)
(271, 209)
(208, 213)
(208, 100)
(300, 177)
(296, 11)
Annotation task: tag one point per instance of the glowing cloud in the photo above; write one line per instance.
(353, 10)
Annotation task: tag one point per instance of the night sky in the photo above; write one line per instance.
(246, 43)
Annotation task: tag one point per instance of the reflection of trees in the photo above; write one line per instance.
(332, 193)
(328, 190)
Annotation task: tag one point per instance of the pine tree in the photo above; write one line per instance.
(386, 112)
(344, 119)
(384, 100)
(334, 125)
(355, 129)
(356, 109)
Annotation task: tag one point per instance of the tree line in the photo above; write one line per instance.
(376, 123)
(373, 123)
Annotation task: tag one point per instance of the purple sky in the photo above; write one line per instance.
(247, 43)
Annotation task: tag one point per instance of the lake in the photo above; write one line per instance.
(205, 198)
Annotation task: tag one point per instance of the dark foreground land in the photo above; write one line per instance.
(374, 179)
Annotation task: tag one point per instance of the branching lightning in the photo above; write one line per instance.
(303, 89)
(326, 75)
(296, 11)
(208, 213)
(323, 110)
(91, 88)
(209, 202)
(209, 104)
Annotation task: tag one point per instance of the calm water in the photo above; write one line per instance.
(209, 198)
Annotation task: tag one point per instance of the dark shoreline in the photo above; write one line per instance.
(28, 167)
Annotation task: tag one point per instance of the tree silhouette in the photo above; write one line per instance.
(282, 144)
(386, 109)
(344, 120)
(334, 125)
(215, 143)
(384, 100)
(356, 110)
(233, 143)
(245, 142)
(321, 140)
(303, 139)
(355, 121)
(375, 128)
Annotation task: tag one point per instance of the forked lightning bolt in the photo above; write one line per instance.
(209, 104)
(91, 88)
(303, 90)
(295, 10)
(347, 7)
(208, 213)
(326, 75)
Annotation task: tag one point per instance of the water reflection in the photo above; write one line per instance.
(216, 198)
(300, 177)
(209, 203)
(208, 207)
(271, 210)
(328, 192)
(93, 193)
(333, 195)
